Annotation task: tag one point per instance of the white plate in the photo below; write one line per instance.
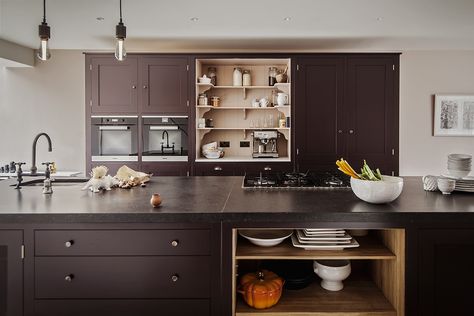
(302, 237)
(467, 178)
(336, 246)
(265, 237)
(464, 190)
(327, 232)
(321, 229)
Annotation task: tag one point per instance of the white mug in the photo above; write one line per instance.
(255, 103)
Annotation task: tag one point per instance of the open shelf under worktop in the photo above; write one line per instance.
(360, 296)
(370, 248)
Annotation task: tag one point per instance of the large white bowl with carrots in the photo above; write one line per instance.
(370, 186)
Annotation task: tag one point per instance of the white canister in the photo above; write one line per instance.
(237, 77)
(246, 78)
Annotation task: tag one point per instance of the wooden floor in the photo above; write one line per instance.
(360, 296)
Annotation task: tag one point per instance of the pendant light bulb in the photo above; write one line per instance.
(120, 52)
(120, 35)
(44, 32)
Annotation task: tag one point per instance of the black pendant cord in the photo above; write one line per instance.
(44, 11)
(120, 11)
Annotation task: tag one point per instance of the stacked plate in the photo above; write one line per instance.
(465, 184)
(323, 239)
(459, 165)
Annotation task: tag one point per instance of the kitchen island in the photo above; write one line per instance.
(72, 238)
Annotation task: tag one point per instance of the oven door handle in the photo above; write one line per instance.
(114, 128)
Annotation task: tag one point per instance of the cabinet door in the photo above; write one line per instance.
(319, 99)
(166, 168)
(372, 112)
(164, 85)
(11, 273)
(445, 272)
(113, 85)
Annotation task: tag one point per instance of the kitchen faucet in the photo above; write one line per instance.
(33, 168)
(167, 142)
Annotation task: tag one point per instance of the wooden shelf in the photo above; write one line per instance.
(243, 159)
(370, 248)
(210, 85)
(360, 296)
(245, 128)
(241, 107)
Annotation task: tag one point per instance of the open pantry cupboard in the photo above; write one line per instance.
(374, 288)
(235, 119)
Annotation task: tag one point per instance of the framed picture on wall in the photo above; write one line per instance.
(454, 115)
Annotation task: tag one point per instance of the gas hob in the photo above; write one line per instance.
(295, 181)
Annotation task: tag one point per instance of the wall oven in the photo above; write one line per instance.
(114, 138)
(165, 138)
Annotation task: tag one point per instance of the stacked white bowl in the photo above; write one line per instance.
(459, 165)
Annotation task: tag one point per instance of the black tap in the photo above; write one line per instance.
(19, 175)
(50, 148)
(167, 142)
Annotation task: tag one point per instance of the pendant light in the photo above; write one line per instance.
(44, 32)
(120, 35)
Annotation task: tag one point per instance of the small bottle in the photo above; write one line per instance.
(237, 77)
(246, 78)
(202, 100)
(272, 73)
(281, 121)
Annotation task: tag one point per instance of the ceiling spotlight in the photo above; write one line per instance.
(379, 18)
(288, 18)
(100, 18)
(120, 35)
(44, 32)
(194, 19)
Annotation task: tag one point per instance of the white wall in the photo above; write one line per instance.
(422, 75)
(50, 98)
(47, 98)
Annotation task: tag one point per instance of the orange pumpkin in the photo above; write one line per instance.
(261, 289)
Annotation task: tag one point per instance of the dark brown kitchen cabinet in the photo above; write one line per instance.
(319, 112)
(164, 85)
(214, 169)
(11, 273)
(445, 272)
(166, 168)
(347, 106)
(371, 128)
(113, 84)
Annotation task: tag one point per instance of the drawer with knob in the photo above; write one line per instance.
(122, 307)
(144, 277)
(122, 242)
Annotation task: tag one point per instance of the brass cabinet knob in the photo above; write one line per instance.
(351, 131)
(69, 243)
(267, 168)
(68, 278)
(340, 131)
(217, 168)
(174, 278)
(175, 243)
(145, 87)
(134, 87)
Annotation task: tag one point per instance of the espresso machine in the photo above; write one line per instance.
(265, 144)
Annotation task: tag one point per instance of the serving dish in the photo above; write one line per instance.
(265, 237)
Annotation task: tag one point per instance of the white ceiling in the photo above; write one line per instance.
(354, 25)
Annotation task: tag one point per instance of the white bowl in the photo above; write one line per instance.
(378, 192)
(446, 186)
(459, 174)
(332, 273)
(205, 80)
(459, 157)
(266, 237)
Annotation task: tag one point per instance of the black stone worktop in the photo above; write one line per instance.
(197, 199)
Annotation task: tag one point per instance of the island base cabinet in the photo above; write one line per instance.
(122, 307)
(446, 273)
(11, 273)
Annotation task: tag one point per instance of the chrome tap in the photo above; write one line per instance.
(33, 168)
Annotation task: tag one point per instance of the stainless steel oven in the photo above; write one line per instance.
(114, 138)
(165, 138)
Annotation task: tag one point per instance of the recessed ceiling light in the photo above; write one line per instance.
(380, 18)
(100, 18)
(288, 18)
(194, 19)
